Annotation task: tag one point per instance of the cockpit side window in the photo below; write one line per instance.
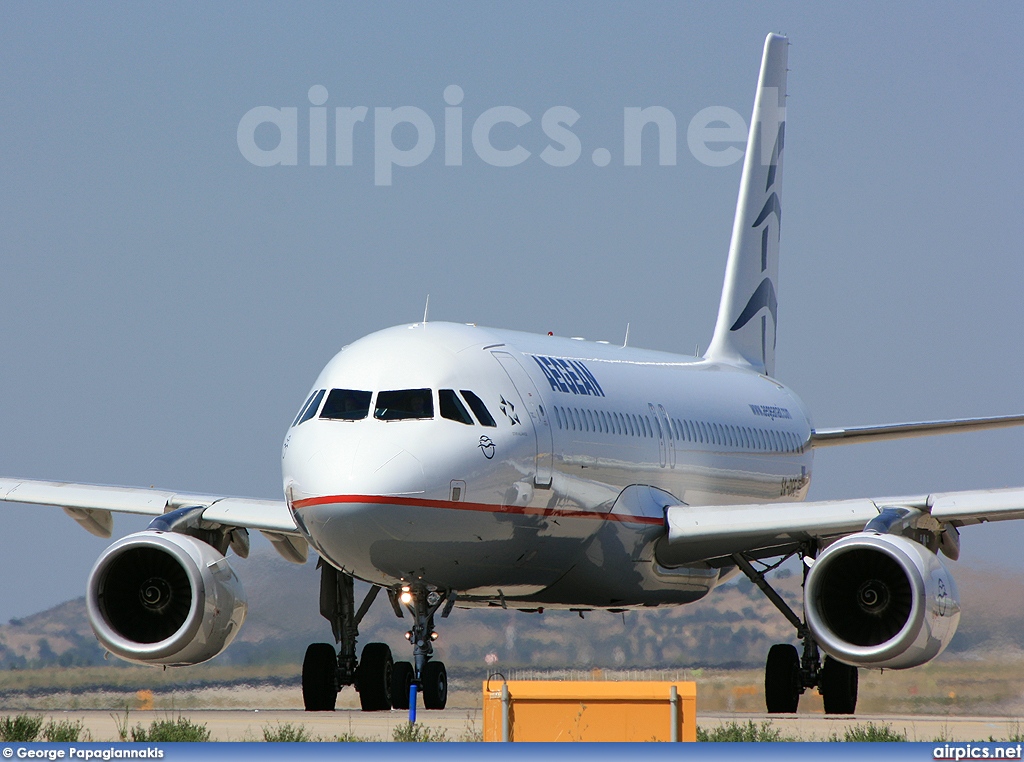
(404, 404)
(311, 407)
(452, 407)
(479, 408)
(303, 408)
(346, 405)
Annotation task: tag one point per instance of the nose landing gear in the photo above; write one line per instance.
(423, 675)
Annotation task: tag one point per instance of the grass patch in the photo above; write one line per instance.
(871, 733)
(288, 733)
(414, 732)
(28, 728)
(64, 731)
(168, 731)
(24, 727)
(353, 738)
(735, 732)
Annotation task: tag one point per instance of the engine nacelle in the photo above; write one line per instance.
(164, 598)
(881, 600)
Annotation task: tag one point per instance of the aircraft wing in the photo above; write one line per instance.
(93, 506)
(854, 434)
(710, 532)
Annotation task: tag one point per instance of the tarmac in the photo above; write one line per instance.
(467, 724)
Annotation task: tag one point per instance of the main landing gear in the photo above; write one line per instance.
(382, 683)
(788, 673)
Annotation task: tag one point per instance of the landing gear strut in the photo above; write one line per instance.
(423, 674)
(324, 671)
(787, 673)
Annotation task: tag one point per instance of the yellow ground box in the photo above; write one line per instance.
(556, 710)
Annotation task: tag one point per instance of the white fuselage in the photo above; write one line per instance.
(561, 502)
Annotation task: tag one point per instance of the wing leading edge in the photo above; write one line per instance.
(855, 434)
(713, 532)
(93, 506)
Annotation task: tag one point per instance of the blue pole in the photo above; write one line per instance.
(412, 703)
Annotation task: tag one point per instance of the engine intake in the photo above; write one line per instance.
(881, 600)
(164, 598)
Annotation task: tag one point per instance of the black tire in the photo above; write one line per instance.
(838, 687)
(320, 678)
(374, 676)
(401, 679)
(435, 685)
(782, 679)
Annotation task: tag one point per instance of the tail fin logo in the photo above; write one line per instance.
(764, 295)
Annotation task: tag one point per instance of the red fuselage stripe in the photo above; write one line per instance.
(415, 502)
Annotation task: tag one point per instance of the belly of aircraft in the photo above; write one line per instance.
(470, 548)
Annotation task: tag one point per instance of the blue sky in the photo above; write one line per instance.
(166, 304)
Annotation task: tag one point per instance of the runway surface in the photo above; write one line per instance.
(466, 724)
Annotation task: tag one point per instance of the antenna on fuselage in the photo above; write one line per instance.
(426, 309)
(625, 341)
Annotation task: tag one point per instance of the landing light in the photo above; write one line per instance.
(433, 636)
(406, 597)
(408, 636)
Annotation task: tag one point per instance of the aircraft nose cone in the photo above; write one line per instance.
(384, 468)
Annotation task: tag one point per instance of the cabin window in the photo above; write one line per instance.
(311, 407)
(404, 404)
(452, 408)
(479, 408)
(346, 405)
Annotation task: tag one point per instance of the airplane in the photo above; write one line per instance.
(458, 466)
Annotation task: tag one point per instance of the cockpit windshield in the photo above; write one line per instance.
(404, 404)
(346, 405)
(310, 408)
(479, 408)
(452, 407)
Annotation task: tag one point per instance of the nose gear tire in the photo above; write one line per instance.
(401, 679)
(435, 685)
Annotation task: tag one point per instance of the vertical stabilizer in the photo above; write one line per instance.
(748, 313)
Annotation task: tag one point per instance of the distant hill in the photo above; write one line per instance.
(734, 626)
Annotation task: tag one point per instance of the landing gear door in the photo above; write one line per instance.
(534, 409)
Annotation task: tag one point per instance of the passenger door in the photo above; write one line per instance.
(531, 400)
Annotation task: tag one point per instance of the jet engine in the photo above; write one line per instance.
(881, 600)
(164, 598)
